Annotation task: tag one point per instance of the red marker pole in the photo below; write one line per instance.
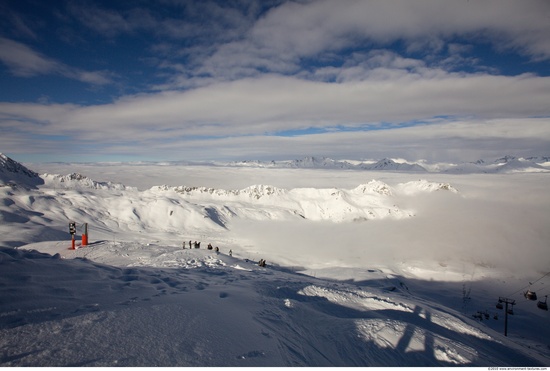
(85, 235)
(72, 231)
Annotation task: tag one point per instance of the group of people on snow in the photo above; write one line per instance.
(197, 245)
(210, 247)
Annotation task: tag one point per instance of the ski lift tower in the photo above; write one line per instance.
(507, 311)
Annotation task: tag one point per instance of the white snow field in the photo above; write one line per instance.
(364, 267)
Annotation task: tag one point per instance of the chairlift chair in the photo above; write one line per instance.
(499, 304)
(530, 295)
(542, 304)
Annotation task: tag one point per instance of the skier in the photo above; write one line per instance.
(230, 252)
(190, 244)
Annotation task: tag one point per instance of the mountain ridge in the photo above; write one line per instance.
(13, 173)
(500, 165)
(503, 164)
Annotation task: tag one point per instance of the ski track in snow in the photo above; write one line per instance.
(134, 297)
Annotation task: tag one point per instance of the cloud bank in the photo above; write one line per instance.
(277, 80)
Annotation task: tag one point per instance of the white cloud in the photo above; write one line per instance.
(439, 141)
(287, 34)
(25, 62)
(320, 25)
(106, 22)
(225, 43)
(186, 126)
(192, 21)
(274, 103)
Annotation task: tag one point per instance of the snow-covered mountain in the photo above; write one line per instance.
(510, 164)
(76, 180)
(394, 272)
(389, 164)
(12, 173)
(172, 209)
(317, 163)
(373, 200)
(541, 160)
(504, 164)
(308, 162)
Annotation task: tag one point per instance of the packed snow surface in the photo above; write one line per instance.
(396, 270)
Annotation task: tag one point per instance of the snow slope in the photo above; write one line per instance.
(403, 297)
(195, 308)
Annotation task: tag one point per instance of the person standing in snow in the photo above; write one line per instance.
(190, 244)
(230, 252)
(183, 245)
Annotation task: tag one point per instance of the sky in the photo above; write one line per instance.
(169, 80)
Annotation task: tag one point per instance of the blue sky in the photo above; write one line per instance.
(232, 80)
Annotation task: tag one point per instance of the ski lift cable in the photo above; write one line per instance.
(530, 284)
(544, 275)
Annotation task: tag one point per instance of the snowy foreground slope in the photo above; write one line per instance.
(216, 310)
(357, 275)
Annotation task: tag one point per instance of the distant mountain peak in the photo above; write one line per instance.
(14, 173)
(12, 166)
(505, 159)
(389, 164)
(318, 162)
(78, 180)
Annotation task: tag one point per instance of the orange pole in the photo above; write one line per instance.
(85, 235)
(72, 244)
